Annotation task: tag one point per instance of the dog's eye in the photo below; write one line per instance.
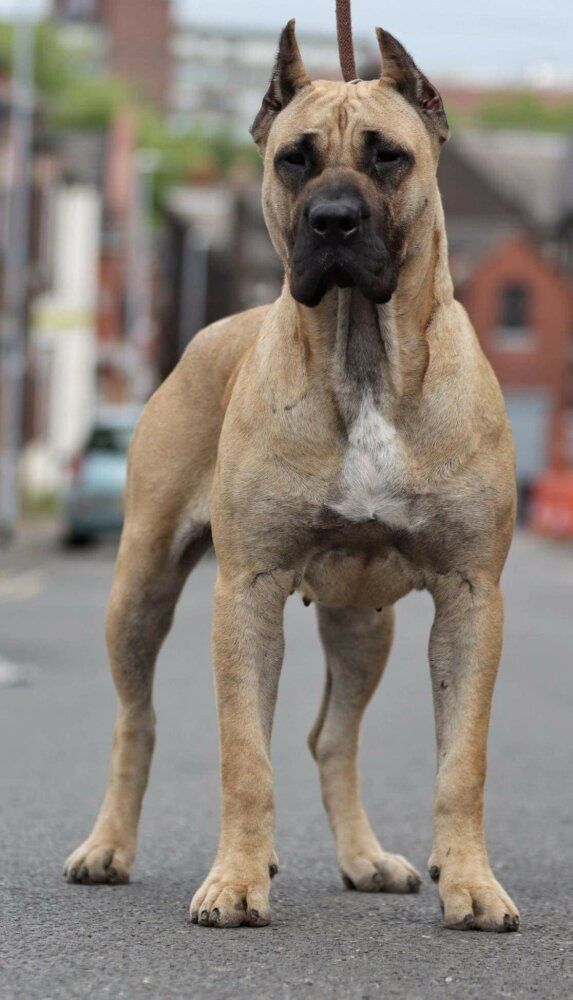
(294, 158)
(385, 157)
(296, 163)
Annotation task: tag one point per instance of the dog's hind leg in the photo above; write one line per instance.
(356, 643)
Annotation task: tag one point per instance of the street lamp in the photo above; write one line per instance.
(140, 277)
(16, 257)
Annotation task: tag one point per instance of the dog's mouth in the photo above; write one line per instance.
(342, 240)
(369, 269)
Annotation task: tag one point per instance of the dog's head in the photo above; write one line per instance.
(349, 171)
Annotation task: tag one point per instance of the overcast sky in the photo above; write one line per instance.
(503, 39)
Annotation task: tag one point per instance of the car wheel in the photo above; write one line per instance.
(77, 539)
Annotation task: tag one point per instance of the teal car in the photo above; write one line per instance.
(93, 501)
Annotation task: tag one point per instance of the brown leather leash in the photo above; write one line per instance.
(345, 43)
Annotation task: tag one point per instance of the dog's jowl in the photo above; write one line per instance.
(349, 442)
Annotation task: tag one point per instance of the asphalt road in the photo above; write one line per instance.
(59, 940)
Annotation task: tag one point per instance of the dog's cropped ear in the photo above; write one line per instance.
(288, 77)
(398, 66)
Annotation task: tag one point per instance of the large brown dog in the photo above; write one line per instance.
(349, 442)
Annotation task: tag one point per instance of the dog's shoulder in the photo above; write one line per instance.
(214, 355)
(226, 339)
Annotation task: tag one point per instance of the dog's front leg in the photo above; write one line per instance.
(248, 651)
(465, 648)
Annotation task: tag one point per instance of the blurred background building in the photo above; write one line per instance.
(123, 39)
(143, 224)
(219, 75)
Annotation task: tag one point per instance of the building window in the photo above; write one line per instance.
(514, 306)
(76, 10)
(514, 314)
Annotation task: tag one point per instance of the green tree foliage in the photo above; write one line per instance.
(194, 151)
(53, 68)
(76, 95)
(89, 105)
(71, 96)
(526, 110)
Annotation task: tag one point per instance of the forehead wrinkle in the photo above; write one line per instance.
(355, 125)
(337, 131)
(325, 97)
(369, 106)
(338, 128)
(352, 139)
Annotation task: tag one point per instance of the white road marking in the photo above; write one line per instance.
(13, 674)
(22, 586)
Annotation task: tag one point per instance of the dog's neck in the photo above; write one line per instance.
(381, 350)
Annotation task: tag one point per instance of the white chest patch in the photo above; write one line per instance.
(372, 472)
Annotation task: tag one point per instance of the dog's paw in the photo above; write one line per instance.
(379, 872)
(234, 894)
(471, 898)
(96, 862)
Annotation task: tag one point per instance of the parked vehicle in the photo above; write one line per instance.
(93, 502)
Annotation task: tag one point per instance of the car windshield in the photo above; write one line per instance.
(110, 439)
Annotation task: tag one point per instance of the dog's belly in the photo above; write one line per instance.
(341, 577)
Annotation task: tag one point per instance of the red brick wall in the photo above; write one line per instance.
(138, 33)
(543, 363)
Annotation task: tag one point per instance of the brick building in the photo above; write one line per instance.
(220, 73)
(522, 310)
(509, 254)
(129, 38)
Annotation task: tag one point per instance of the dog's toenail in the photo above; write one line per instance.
(112, 874)
(84, 872)
(510, 923)
(273, 870)
(254, 914)
(73, 872)
(378, 878)
(379, 610)
(194, 917)
(468, 920)
(215, 914)
(348, 882)
(414, 883)
(306, 601)
(434, 873)
(204, 914)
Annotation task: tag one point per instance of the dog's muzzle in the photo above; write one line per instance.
(335, 223)
(337, 245)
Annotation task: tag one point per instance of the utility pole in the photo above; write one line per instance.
(13, 318)
(139, 292)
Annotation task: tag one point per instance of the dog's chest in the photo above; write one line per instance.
(374, 473)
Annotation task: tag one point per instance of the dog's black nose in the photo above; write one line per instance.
(335, 221)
